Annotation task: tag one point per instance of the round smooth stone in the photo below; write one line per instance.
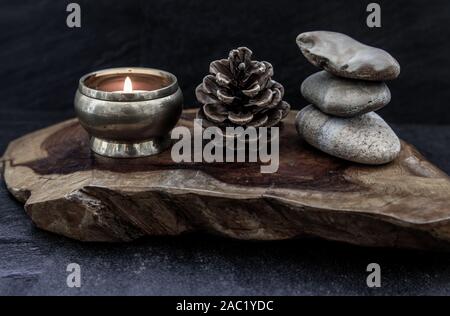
(364, 139)
(345, 57)
(344, 97)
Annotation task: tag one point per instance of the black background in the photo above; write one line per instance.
(41, 59)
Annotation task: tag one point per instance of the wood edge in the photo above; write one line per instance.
(189, 111)
(22, 195)
(435, 171)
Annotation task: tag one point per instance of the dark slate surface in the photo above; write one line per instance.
(34, 262)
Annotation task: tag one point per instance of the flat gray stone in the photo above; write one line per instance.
(365, 139)
(345, 57)
(344, 97)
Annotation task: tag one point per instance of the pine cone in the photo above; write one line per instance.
(240, 92)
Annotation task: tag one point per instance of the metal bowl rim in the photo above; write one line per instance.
(133, 96)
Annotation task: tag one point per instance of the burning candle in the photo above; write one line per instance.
(128, 112)
(127, 85)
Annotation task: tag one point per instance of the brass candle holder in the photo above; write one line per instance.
(128, 112)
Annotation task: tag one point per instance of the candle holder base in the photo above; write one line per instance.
(114, 149)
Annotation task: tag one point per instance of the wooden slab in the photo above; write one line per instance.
(69, 191)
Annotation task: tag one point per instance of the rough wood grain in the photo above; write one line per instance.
(69, 191)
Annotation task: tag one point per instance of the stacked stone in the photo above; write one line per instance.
(340, 121)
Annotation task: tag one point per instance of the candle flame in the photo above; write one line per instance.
(127, 85)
